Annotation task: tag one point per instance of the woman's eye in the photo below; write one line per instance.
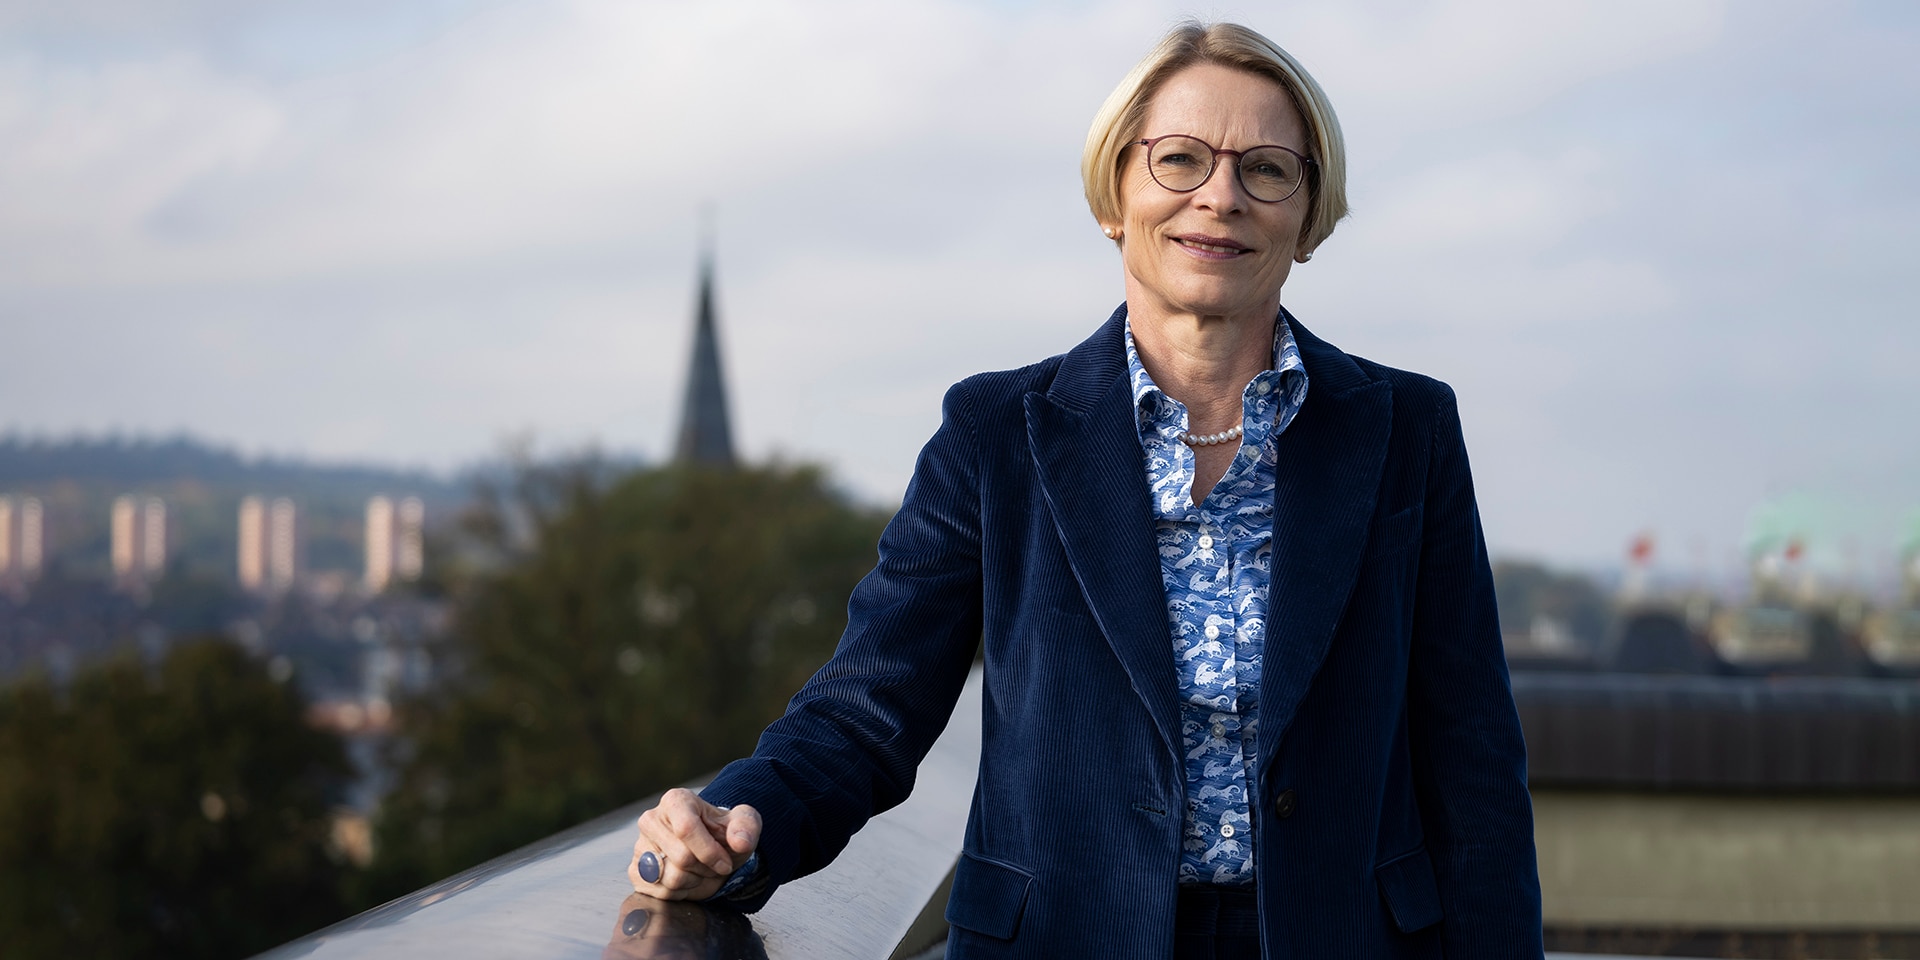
(1178, 160)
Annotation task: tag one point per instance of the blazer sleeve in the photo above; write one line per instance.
(1469, 760)
(851, 740)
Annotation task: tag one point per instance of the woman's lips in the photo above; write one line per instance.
(1211, 248)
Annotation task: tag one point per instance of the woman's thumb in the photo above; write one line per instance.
(743, 829)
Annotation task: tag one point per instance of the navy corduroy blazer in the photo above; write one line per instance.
(1394, 817)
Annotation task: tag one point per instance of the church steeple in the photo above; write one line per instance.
(706, 434)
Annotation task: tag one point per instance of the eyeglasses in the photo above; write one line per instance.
(1268, 173)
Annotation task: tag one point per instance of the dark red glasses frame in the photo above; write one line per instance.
(1309, 169)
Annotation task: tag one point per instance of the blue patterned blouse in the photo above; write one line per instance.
(1215, 562)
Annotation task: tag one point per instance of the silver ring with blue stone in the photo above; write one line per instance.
(649, 867)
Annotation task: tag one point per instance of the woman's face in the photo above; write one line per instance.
(1214, 251)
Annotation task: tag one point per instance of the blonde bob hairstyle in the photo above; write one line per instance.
(1117, 126)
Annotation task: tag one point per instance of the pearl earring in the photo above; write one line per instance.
(1305, 257)
(1111, 233)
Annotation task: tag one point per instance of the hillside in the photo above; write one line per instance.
(117, 462)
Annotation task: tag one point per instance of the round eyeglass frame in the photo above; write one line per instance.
(1308, 168)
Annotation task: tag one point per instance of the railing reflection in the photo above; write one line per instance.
(650, 929)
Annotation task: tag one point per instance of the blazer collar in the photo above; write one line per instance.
(1330, 464)
(1086, 451)
(1087, 372)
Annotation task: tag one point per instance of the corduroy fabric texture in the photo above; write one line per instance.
(1216, 923)
(1396, 822)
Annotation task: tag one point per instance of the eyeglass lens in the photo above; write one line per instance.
(1182, 164)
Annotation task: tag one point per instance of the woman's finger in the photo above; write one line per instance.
(687, 817)
(688, 882)
(660, 835)
(670, 874)
(672, 883)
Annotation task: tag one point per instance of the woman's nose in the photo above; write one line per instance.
(1222, 192)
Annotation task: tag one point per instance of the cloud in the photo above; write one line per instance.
(90, 154)
(1402, 71)
(562, 123)
(403, 230)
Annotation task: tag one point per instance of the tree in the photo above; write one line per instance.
(1528, 591)
(626, 634)
(176, 809)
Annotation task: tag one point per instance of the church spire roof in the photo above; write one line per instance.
(706, 434)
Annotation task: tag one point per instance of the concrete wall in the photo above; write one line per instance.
(1628, 860)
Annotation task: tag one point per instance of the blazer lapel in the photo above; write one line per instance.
(1330, 459)
(1086, 450)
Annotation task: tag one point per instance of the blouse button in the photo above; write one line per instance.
(1206, 540)
(1220, 730)
(1213, 631)
(1226, 829)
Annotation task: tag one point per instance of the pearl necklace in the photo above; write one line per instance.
(1209, 439)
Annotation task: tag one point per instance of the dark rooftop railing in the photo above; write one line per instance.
(1771, 734)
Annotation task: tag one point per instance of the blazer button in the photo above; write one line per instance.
(1284, 803)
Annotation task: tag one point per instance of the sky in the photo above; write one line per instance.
(1660, 248)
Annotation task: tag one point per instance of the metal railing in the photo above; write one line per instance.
(568, 895)
(1738, 734)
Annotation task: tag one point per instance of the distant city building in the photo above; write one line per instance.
(32, 538)
(410, 544)
(379, 544)
(253, 544)
(706, 433)
(121, 535)
(153, 538)
(395, 541)
(269, 559)
(139, 538)
(283, 550)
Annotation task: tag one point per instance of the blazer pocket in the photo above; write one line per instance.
(1394, 532)
(1412, 894)
(988, 896)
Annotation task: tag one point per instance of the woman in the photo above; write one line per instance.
(1244, 691)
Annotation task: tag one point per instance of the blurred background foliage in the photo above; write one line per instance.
(615, 631)
(1532, 595)
(616, 634)
(178, 808)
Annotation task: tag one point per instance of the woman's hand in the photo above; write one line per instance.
(698, 845)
